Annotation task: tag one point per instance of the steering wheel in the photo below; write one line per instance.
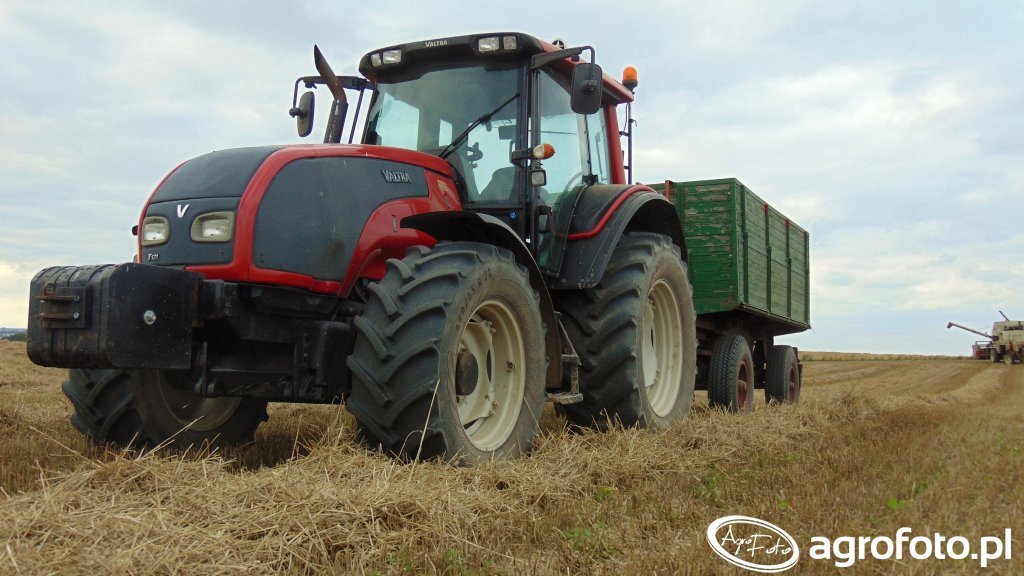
(473, 152)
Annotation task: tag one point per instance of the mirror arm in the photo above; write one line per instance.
(295, 95)
(542, 60)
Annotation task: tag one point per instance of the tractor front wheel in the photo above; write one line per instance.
(147, 408)
(449, 358)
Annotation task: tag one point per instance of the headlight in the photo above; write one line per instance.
(155, 230)
(488, 44)
(386, 57)
(213, 227)
(497, 43)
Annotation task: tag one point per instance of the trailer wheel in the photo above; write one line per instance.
(146, 408)
(449, 358)
(782, 378)
(731, 375)
(636, 337)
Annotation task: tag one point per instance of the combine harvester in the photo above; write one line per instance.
(1006, 343)
(479, 250)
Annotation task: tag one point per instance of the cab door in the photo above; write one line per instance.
(580, 160)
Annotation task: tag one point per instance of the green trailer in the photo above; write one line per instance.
(749, 266)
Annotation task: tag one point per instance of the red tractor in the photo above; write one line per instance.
(478, 252)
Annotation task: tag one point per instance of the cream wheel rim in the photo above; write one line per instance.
(490, 375)
(662, 348)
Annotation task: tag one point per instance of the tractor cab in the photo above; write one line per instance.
(525, 126)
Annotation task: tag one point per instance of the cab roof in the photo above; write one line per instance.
(506, 46)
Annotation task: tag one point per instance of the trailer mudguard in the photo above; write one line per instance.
(474, 227)
(602, 215)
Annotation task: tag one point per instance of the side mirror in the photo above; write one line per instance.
(303, 114)
(586, 88)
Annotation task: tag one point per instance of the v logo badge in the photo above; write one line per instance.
(182, 210)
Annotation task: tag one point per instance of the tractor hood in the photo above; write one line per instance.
(295, 211)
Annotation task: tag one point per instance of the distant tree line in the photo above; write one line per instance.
(19, 337)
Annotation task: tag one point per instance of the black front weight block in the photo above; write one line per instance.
(112, 316)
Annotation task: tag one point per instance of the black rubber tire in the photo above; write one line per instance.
(782, 377)
(731, 361)
(606, 326)
(132, 409)
(995, 356)
(407, 353)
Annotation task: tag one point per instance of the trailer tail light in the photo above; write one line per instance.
(214, 227)
(155, 230)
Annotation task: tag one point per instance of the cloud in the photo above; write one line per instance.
(866, 267)
(889, 130)
(731, 26)
(14, 292)
(830, 122)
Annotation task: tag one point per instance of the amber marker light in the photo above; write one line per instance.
(629, 79)
(543, 151)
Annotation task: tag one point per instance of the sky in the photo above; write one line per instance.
(892, 131)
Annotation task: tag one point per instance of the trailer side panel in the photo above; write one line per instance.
(744, 254)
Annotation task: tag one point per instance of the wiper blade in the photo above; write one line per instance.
(465, 133)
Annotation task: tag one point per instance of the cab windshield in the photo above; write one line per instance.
(426, 112)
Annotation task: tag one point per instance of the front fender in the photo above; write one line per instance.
(474, 227)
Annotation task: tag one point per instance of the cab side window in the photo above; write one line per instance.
(597, 134)
(564, 130)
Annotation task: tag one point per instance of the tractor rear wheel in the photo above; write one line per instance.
(782, 377)
(731, 375)
(449, 358)
(147, 408)
(636, 337)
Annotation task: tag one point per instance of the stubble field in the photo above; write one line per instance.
(876, 444)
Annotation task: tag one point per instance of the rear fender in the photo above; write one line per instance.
(600, 220)
(474, 227)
